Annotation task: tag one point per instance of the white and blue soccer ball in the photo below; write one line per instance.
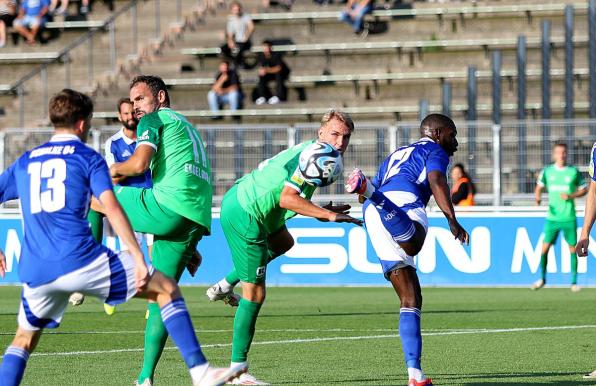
(320, 164)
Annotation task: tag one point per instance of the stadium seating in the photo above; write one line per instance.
(376, 77)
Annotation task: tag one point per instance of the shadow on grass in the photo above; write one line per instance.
(530, 378)
(469, 380)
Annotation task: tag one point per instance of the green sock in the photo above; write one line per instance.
(543, 262)
(96, 221)
(574, 268)
(155, 340)
(244, 329)
(233, 278)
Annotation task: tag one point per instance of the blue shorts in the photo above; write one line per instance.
(29, 21)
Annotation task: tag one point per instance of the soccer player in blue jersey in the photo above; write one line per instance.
(118, 148)
(396, 221)
(55, 182)
(589, 218)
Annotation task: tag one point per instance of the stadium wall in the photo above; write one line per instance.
(504, 251)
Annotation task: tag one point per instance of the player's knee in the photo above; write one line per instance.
(255, 293)
(167, 286)
(414, 245)
(26, 339)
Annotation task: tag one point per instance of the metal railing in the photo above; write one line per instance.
(126, 16)
(503, 166)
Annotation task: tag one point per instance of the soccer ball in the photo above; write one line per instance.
(320, 164)
(76, 299)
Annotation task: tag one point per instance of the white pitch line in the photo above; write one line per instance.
(335, 338)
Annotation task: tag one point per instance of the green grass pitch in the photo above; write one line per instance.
(338, 336)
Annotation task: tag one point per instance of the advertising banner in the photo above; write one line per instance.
(504, 251)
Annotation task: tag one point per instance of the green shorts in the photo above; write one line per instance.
(552, 228)
(175, 236)
(246, 238)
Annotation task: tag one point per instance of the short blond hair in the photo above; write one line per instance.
(345, 118)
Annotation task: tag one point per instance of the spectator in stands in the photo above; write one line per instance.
(239, 29)
(271, 68)
(225, 90)
(31, 19)
(8, 12)
(55, 10)
(463, 189)
(354, 13)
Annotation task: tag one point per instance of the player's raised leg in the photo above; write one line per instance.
(404, 231)
(278, 243)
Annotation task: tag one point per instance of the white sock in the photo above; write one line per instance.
(245, 363)
(197, 372)
(416, 374)
(224, 285)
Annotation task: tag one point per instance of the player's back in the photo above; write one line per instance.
(407, 168)
(180, 168)
(55, 182)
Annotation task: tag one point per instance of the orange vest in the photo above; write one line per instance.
(468, 201)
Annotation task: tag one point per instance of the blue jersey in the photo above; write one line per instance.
(55, 182)
(119, 148)
(592, 170)
(407, 168)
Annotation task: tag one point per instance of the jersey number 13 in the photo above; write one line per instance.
(53, 199)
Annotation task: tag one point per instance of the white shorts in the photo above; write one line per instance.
(110, 278)
(390, 254)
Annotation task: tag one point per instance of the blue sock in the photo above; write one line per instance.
(411, 338)
(177, 321)
(13, 366)
(395, 220)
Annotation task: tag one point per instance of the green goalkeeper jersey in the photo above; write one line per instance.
(180, 169)
(259, 191)
(556, 181)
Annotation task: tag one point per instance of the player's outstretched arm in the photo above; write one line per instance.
(137, 164)
(440, 189)
(290, 199)
(589, 217)
(121, 225)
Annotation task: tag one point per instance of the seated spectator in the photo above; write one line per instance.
(32, 17)
(8, 12)
(463, 189)
(55, 10)
(271, 68)
(239, 29)
(354, 13)
(225, 90)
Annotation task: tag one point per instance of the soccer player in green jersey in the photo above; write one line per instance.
(177, 210)
(564, 183)
(253, 216)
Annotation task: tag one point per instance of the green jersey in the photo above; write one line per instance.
(180, 169)
(556, 181)
(259, 191)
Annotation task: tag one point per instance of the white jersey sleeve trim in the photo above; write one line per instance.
(148, 144)
(293, 186)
